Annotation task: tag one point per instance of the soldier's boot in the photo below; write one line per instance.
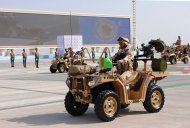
(13, 63)
(24, 64)
(37, 64)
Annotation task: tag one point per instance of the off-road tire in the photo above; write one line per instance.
(74, 108)
(99, 105)
(148, 104)
(61, 68)
(172, 60)
(185, 60)
(52, 70)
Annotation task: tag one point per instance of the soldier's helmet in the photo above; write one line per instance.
(124, 40)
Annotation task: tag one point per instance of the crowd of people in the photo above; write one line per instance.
(24, 57)
(120, 56)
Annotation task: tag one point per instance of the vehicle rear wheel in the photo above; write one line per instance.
(107, 105)
(172, 60)
(185, 60)
(52, 70)
(74, 108)
(61, 68)
(154, 99)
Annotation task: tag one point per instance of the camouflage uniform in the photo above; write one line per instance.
(66, 55)
(123, 58)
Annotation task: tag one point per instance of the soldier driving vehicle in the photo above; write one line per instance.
(110, 89)
(56, 54)
(123, 56)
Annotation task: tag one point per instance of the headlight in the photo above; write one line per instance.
(68, 82)
(91, 83)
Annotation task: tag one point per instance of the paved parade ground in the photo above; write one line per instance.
(34, 98)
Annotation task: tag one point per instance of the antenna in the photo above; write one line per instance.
(71, 30)
(134, 25)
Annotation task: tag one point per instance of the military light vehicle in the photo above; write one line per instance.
(110, 91)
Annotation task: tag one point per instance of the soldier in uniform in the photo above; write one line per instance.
(178, 42)
(66, 55)
(123, 58)
(24, 55)
(36, 57)
(71, 52)
(12, 55)
(56, 54)
(93, 54)
(82, 51)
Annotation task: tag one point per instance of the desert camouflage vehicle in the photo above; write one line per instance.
(63, 64)
(110, 91)
(176, 53)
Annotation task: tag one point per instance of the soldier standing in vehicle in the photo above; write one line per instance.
(12, 55)
(178, 42)
(82, 52)
(123, 57)
(24, 55)
(56, 54)
(37, 57)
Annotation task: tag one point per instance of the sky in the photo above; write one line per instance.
(164, 19)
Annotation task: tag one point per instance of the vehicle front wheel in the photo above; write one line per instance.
(107, 105)
(61, 68)
(74, 108)
(154, 99)
(52, 70)
(173, 60)
(185, 60)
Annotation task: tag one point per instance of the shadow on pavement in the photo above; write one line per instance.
(65, 118)
(57, 118)
(127, 111)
